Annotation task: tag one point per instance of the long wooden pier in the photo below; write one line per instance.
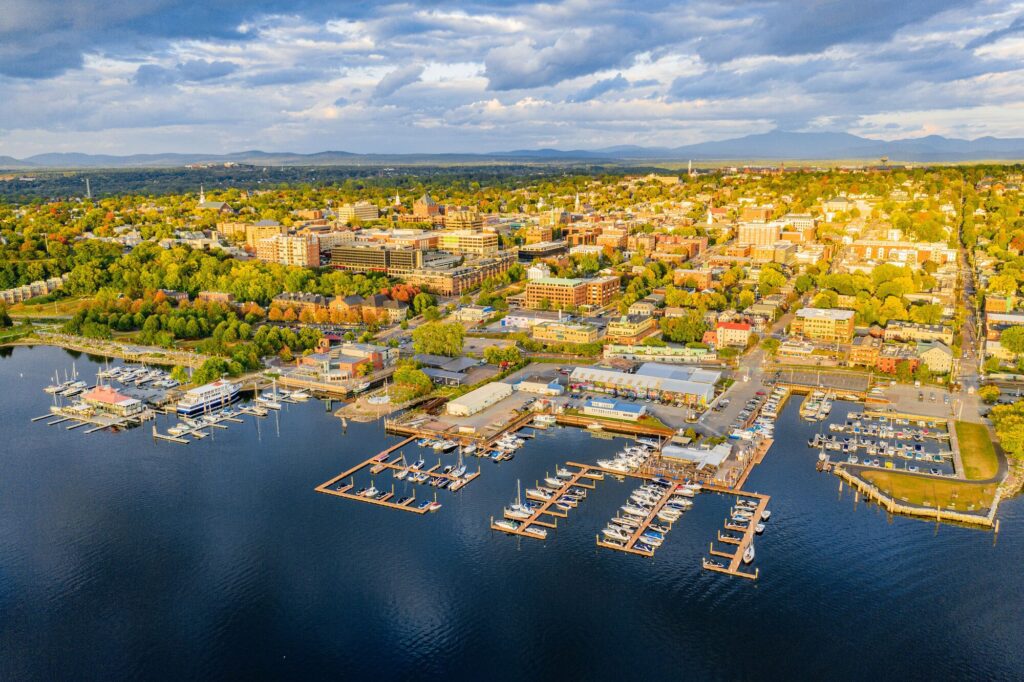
(735, 558)
(380, 463)
(545, 507)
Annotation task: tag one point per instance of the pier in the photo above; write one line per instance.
(544, 509)
(382, 462)
(747, 531)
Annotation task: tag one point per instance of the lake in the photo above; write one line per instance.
(122, 557)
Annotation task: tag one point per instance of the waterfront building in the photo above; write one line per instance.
(693, 392)
(823, 324)
(614, 409)
(107, 399)
(480, 399)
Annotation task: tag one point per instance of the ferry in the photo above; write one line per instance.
(208, 397)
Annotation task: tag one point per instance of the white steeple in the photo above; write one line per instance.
(202, 195)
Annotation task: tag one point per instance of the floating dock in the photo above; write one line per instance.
(545, 509)
(747, 532)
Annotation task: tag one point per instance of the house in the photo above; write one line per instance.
(107, 399)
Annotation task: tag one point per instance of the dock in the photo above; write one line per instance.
(576, 480)
(740, 544)
(630, 545)
(381, 463)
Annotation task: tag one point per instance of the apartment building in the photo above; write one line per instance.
(630, 329)
(823, 325)
(264, 229)
(464, 220)
(758, 234)
(564, 293)
(361, 210)
(909, 331)
(298, 250)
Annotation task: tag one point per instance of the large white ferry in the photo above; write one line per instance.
(209, 397)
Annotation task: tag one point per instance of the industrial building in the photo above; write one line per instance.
(698, 389)
(480, 399)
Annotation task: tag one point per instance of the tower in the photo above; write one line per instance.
(202, 195)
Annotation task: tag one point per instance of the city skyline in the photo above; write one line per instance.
(114, 78)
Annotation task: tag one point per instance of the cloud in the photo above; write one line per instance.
(306, 75)
(1017, 26)
(602, 87)
(194, 70)
(397, 79)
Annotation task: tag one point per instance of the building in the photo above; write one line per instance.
(538, 271)
(426, 209)
(378, 356)
(668, 389)
(906, 253)
(564, 332)
(757, 214)
(698, 279)
(910, 331)
(631, 329)
(823, 324)
(221, 297)
(663, 354)
(361, 210)
(892, 357)
(735, 334)
(264, 229)
(476, 243)
(865, 351)
(537, 250)
(937, 357)
(540, 386)
(758, 234)
(301, 301)
(455, 281)
(562, 293)
(464, 220)
(614, 409)
(480, 399)
(376, 258)
(526, 319)
(297, 250)
(534, 234)
(106, 399)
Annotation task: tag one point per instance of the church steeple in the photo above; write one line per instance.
(202, 195)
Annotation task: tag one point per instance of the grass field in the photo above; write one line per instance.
(920, 490)
(977, 452)
(65, 307)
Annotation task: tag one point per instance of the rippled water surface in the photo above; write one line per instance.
(124, 557)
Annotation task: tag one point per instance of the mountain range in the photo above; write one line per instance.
(766, 147)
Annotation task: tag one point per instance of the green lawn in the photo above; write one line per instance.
(920, 490)
(976, 450)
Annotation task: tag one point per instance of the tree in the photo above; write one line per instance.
(410, 383)
(180, 374)
(771, 346)
(689, 327)
(5, 318)
(503, 355)
(438, 338)
(1012, 339)
(989, 394)
(770, 281)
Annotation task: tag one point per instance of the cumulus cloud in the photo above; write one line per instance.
(308, 74)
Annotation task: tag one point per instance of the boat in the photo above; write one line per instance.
(300, 396)
(595, 427)
(643, 547)
(214, 395)
(460, 468)
(434, 506)
(469, 449)
(510, 525)
(418, 464)
(759, 528)
(370, 492)
(554, 482)
(615, 533)
(748, 553)
(766, 514)
(536, 531)
(401, 473)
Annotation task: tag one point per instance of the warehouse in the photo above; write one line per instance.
(480, 399)
(615, 409)
(694, 391)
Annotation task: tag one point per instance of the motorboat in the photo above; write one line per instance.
(370, 492)
(748, 553)
(554, 482)
(418, 464)
(766, 514)
(536, 531)
(615, 533)
(759, 528)
(508, 524)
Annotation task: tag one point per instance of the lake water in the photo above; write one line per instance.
(121, 557)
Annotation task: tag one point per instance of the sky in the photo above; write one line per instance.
(426, 76)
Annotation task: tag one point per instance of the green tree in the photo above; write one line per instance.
(689, 327)
(438, 338)
(1012, 339)
(989, 394)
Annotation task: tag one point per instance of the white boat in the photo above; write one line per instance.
(536, 531)
(371, 491)
(469, 449)
(208, 397)
(508, 524)
(615, 533)
(748, 553)
(555, 483)
(766, 514)
(300, 396)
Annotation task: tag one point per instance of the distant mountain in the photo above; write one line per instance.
(774, 146)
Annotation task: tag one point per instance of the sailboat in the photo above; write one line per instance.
(460, 468)
(517, 509)
(748, 553)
